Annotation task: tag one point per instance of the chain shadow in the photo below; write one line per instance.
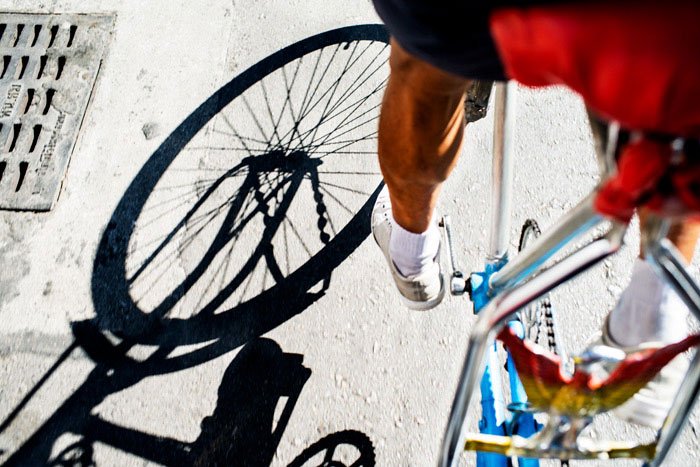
(269, 177)
(275, 168)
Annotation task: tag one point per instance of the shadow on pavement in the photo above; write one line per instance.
(242, 427)
(232, 227)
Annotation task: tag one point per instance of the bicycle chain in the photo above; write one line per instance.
(549, 324)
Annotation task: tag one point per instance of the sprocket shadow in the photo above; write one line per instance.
(272, 176)
(116, 309)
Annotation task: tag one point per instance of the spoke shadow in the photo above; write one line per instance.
(272, 187)
(219, 254)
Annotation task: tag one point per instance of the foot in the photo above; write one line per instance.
(650, 405)
(649, 313)
(649, 310)
(421, 291)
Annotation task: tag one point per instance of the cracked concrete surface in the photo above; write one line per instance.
(340, 365)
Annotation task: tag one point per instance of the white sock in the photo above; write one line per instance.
(412, 253)
(648, 310)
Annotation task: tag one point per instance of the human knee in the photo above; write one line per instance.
(421, 76)
(404, 64)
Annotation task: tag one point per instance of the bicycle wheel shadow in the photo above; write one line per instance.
(193, 231)
(271, 187)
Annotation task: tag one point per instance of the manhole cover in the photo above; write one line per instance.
(48, 67)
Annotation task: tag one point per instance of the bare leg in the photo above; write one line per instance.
(420, 135)
(683, 234)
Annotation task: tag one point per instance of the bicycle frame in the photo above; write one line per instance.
(516, 283)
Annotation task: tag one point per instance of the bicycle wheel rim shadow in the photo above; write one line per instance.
(113, 277)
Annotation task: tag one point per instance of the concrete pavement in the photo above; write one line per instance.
(194, 297)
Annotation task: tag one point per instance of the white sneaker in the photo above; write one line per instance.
(650, 405)
(422, 291)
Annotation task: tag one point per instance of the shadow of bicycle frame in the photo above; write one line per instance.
(118, 315)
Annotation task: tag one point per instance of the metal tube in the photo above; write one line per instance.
(680, 411)
(580, 219)
(605, 139)
(496, 314)
(664, 255)
(575, 223)
(553, 276)
(502, 171)
(599, 130)
(668, 263)
(468, 382)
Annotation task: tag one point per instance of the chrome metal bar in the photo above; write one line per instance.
(497, 313)
(679, 413)
(664, 255)
(605, 138)
(667, 261)
(579, 220)
(553, 276)
(609, 164)
(502, 171)
(535, 447)
(468, 382)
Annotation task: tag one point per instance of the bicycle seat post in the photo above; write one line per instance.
(502, 173)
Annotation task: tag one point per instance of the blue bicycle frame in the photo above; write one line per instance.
(504, 287)
(497, 418)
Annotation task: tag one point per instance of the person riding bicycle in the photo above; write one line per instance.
(439, 47)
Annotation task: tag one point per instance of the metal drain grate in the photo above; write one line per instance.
(48, 67)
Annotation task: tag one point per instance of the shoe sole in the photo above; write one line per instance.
(428, 304)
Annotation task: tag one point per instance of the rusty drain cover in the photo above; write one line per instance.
(48, 68)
